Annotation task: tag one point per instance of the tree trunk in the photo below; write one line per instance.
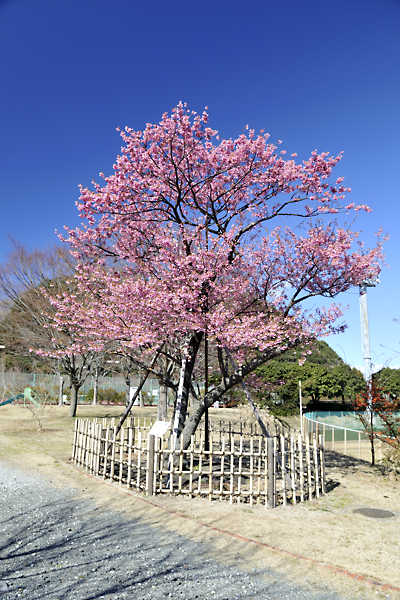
(74, 399)
(61, 392)
(226, 384)
(95, 386)
(192, 350)
(198, 410)
(162, 409)
(127, 377)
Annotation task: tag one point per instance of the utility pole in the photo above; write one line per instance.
(365, 327)
(367, 352)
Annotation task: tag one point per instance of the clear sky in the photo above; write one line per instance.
(317, 74)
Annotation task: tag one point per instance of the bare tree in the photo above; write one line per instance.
(28, 281)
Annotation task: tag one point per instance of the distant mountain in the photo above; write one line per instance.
(321, 355)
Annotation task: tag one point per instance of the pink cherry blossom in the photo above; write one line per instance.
(193, 235)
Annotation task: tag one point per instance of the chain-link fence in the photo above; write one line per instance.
(13, 383)
(342, 432)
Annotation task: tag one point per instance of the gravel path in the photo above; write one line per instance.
(53, 546)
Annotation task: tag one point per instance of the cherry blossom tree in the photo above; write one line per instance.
(195, 237)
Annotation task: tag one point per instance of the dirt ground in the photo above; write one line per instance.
(325, 530)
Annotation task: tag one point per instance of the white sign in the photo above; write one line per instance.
(160, 428)
(132, 392)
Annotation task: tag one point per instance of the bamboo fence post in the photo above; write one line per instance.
(210, 469)
(80, 442)
(275, 462)
(270, 473)
(90, 447)
(221, 480)
(78, 435)
(345, 441)
(150, 466)
(74, 443)
(265, 460)
(180, 467)
(259, 470)
(106, 448)
(98, 450)
(121, 453)
(200, 465)
(191, 466)
(113, 442)
(308, 460)
(283, 468)
(301, 462)
(171, 464)
(130, 444)
(158, 461)
(251, 466)
(240, 468)
(231, 469)
(139, 461)
(322, 464)
(316, 472)
(292, 468)
(85, 444)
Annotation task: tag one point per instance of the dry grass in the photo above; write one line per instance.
(325, 530)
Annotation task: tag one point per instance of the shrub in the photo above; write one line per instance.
(108, 396)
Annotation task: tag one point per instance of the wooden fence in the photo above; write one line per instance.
(239, 467)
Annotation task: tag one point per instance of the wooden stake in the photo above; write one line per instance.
(301, 461)
(316, 470)
(293, 469)
(283, 458)
(271, 473)
(130, 444)
(322, 464)
(150, 466)
(308, 459)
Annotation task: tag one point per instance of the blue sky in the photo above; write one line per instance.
(317, 75)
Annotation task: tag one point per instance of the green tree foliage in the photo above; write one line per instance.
(389, 380)
(323, 375)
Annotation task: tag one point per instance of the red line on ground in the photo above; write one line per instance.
(383, 586)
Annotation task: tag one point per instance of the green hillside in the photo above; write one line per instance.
(321, 355)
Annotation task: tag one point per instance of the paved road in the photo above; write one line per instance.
(55, 547)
